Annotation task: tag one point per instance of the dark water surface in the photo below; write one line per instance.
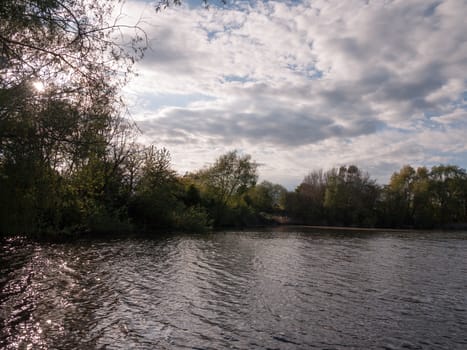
(280, 289)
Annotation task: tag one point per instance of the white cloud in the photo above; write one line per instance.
(307, 85)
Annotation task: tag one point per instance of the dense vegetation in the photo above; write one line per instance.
(418, 198)
(69, 162)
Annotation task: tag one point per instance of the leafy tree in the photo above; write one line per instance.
(230, 175)
(161, 200)
(154, 199)
(223, 183)
(266, 197)
(422, 206)
(425, 198)
(306, 203)
(261, 204)
(399, 196)
(61, 65)
(351, 197)
(449, 194)
(77, 44)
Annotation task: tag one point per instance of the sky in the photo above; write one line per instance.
(305, 85)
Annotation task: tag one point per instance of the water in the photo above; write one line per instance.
(277, 289)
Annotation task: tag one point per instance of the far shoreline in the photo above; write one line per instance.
(355, 228)
(60, 237)
(372, 229)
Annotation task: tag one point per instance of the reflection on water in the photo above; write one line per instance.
(239, 290)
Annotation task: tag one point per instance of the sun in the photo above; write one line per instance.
(39, 86)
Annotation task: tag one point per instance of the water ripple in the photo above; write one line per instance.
(237, 290)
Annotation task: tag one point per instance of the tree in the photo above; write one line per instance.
(231, 176)
(400, 197)
(425, 198)
(161, 200)
(62, 54)
(73, 43)
(449, 194)
(351, 197)
(61, 66)
(310, 194)
(62, 61)
(267, 197)
(422, 206)
(155, 199)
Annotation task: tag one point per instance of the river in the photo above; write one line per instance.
(283, 288)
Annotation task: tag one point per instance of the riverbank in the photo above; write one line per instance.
(347, 228)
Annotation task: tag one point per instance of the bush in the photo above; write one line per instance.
(192, 219)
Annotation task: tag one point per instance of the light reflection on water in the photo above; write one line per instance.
(274, 289)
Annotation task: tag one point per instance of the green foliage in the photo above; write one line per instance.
(306, 203)
(61, 144)
(161, 200)
(350, 197)
(155, 198)
(343, 196)
(266, 197)
(192, 219)
(230, 175)
(425, 198)
(71, 42)
(422, 206)
(223, 184)
(448, 194)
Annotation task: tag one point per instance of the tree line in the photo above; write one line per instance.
(414, 198)
(121, 187)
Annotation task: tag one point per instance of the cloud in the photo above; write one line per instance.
(278, 127)
(377, 83)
